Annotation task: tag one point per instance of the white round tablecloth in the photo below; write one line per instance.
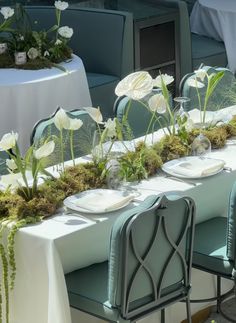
(217, 19)
(27, 96)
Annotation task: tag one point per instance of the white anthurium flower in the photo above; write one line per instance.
(200, 74)
(110, 126)
(7, 12)
(45, 150)
(135, 85)
(157, 103)
(8, 140)
(32, 53)
(167, 79)
(61, 5)
(11, 165)
(94, 113)
(75, 124)
(194, 83)
(61, 120)
(65, 32)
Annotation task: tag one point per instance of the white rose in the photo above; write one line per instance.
(75, 124)
(45, 150)
(194, 83)
(94, 113)
(11, 165)
(110, 126)
(65, 32)
(8, 140)
(157, 103)
(135, 85)
(7, 12)
(167, 79)
(61, 120)
(200, 74)
(61, 5)
(33, 53)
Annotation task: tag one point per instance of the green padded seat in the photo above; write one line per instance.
(212, 254)
(207, 51)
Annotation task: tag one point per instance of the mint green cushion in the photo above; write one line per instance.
(210, 250)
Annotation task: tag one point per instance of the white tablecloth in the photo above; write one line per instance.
(27, 96)
(217, 19)
(63, 243)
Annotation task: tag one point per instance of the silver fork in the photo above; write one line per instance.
(182, 180)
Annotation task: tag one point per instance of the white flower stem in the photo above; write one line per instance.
(72, 146)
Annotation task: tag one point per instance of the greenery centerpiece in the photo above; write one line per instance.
(29, 48)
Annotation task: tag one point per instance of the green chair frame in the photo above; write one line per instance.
(214, 252)
(149, 264)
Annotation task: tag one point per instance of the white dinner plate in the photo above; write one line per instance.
(171, 167)
(97, 195)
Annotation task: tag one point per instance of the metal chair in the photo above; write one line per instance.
(215, 251)
(149, 264)
(82, 138)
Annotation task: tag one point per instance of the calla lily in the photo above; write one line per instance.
(11, 165)
(194, 83)
(75, 124)
(200, 74)
(110, 125)
(167, 79)
(61, 120)
(8, 141)
(45, 150)
(157, 103)
(94, 113)
(135, 86)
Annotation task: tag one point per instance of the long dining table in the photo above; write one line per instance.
(217, 19)
(68, 241)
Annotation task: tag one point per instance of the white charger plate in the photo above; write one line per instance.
(168, 167)
(70, 201)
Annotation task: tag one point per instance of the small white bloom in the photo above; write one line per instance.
(94, 113)
(21, 37)
(32, 53)
(11, 165)
(8, 140)
(110, 126)
(7, 12)
(58, 42)
(46, 53)
(65, 32)
(75, 124)
(194, 83)
(61, 120)
(157, 103)
(135, 85)
(45, 150)
(200, 74)
(167, 79)
(61, 5)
